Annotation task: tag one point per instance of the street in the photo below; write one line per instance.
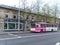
(48, 38)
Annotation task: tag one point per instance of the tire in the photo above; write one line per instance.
(52, 30)
(41, 31)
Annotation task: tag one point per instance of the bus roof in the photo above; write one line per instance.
(53, 23)
(39, 23)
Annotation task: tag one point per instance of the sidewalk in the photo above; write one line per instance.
(14, 32)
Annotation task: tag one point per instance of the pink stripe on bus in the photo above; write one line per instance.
(37, 29)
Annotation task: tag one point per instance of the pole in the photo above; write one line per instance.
(19, 16)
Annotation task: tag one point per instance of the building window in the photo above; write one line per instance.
(11, 25)
(6, 16)
(5, 25)
(14, 16)
(21, 26)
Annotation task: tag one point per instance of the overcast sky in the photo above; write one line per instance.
(16, 2)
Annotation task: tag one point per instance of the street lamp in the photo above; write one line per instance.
(19, 16)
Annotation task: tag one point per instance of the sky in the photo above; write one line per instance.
(16, 2)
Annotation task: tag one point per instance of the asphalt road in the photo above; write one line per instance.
(50, 38)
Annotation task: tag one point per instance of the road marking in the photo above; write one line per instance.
(12, 34)
(58, 43)
(10, 38)
(21, 37)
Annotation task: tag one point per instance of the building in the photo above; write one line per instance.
(9, 18)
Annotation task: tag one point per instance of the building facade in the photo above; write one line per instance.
(9, 18)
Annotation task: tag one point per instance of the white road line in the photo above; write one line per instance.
(10, 38)
(58, 43)
(21, 37)
(12, 34)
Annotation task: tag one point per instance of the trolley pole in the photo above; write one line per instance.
(19, 16)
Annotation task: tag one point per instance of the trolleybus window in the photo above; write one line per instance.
(43, 25)
(33, 25)
(37, 25)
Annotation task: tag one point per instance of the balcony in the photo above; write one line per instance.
(12, 20)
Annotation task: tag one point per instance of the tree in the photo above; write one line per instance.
(25, 8)
(38, 6)
(55, 11)
(46, 11)
(24, 2)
